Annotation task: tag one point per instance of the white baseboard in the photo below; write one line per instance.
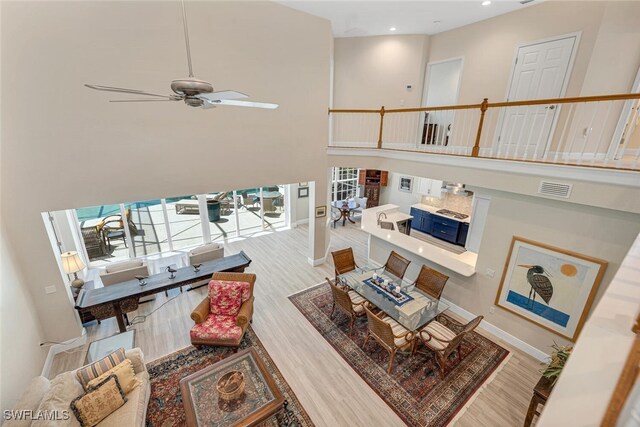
(499, 333)
(302, 221)
(320, 261)
(59, 348)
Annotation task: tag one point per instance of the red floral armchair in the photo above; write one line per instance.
(224, 315)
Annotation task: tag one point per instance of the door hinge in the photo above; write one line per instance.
(516, 61)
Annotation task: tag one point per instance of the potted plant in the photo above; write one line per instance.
(559, 357)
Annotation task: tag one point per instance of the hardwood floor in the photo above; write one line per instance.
(331, 392)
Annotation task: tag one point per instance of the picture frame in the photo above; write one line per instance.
(303, 184)
(303, 192)
(321, 211)
(406, 184)
(549, 286)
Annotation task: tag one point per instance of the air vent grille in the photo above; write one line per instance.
(555, 189)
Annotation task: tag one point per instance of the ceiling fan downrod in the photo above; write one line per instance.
(186, 37)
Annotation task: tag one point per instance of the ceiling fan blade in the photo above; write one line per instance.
(244, 103)
(124, 90)
(142, 100)
(223, 94)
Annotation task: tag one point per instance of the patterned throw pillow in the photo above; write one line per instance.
(226, 297)
(98, 402)
(126, 377)
(98, 368)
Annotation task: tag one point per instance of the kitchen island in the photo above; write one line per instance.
(382, 241)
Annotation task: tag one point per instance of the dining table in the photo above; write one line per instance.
(345, 207)
(396, 297)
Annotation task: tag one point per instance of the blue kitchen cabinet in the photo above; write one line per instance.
(422, 220)
(445, 229)
(462, 233)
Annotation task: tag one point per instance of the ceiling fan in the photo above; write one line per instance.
(194, 92)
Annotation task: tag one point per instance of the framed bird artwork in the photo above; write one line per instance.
(549, 286)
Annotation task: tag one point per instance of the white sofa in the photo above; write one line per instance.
(122, 271)
(204, 253)
(57, 394)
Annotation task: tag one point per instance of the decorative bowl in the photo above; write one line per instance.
(231, 385)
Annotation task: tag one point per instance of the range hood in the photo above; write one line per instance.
(455, 188)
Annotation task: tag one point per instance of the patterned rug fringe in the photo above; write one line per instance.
(475, 395)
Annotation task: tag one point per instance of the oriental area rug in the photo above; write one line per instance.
(414, 389)
(165, 405)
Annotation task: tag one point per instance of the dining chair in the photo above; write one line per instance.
(431, 282)
(396, 264)
(391, 335)
(443, 341)
(343, 261)
(347, 301)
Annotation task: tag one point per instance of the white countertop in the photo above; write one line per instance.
(433, 209)
(464, 263)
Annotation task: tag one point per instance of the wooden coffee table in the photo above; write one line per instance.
(261, 398)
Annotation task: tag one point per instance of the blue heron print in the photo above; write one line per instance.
(540, 283)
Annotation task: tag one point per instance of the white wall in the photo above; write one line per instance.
(391, 194)
(64, 146)
(300, 206)
(374, 71)
(21, 356)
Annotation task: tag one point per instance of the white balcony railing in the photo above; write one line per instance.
(598, 131)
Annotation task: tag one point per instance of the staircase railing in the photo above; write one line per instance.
(594, 131)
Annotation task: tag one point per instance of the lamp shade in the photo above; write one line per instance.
(71, 262)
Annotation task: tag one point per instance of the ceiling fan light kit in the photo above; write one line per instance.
(194, 92)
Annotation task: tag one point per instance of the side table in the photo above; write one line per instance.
(540, 395)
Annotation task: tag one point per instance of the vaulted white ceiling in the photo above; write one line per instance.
(371, 18)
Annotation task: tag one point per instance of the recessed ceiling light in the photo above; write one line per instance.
(486, 2)
(392, 29)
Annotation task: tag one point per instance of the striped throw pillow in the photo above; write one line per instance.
(98, 368)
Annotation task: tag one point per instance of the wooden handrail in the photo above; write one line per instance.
(619, 97)
(598, 98)
(447, 107)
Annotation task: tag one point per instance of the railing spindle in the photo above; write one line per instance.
(588, 133)
(570, 117)
(544, 123)
(627, 138)
(604, 124)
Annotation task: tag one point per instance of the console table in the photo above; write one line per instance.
(540, 395)
(114, 300)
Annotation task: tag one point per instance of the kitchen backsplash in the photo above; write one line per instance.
(452, 202)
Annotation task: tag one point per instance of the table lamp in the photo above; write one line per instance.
(71, 264)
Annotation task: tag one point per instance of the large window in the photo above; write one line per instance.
(137, 229)
(344, 183)
(185, 225)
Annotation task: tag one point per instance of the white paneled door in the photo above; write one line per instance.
(541, 71)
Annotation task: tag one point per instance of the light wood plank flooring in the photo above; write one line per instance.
(331, 392)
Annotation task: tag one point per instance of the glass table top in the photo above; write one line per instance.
(409, 306)
(102, 347)
(210, 410)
